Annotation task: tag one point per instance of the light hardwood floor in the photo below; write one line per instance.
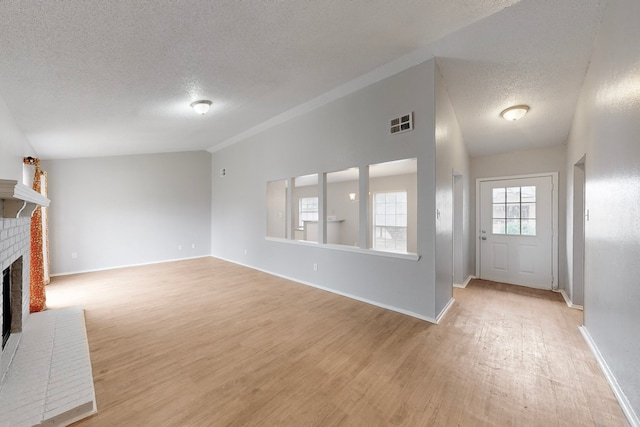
(208, 343)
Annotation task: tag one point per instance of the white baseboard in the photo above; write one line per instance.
(632, 417)
(568, 301)
(466, 282)
(344, 294)
(68, 273)
(445, 310)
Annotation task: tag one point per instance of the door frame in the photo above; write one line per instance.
(579, 223)
(554, 220)
(457, 222)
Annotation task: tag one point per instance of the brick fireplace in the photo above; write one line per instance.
(45, 376)
(14, 255)
(17, 204)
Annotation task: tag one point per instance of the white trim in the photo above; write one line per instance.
(568, 301)
(554, 198)
(466, 282)
(445, 310)
(14, 190)
(632, 417)
(19, 200)
(354, 249)
(333, 291)
(391, 68)
(127, 265)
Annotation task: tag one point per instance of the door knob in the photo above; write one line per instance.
(483, 238)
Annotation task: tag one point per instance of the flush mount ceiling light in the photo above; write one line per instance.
(201, 107)
(514, 113)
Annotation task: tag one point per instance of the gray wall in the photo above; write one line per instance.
(606, 128)
(349, 132)
(13, 145)
(551, 159)
(128, 210)
(339, 205)
(451, 157)
(277, 208)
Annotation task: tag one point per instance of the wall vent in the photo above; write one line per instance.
(403, 123)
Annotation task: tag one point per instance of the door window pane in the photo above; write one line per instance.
(528, 227)
(528, 210)
(514, 210)
(513, 226)
(528, 194)
(513, 194)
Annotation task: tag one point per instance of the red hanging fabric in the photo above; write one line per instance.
(38, 300)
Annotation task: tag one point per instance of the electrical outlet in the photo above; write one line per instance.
(193, 246)
(74, 255)
(179, 247)
(315, 267)
(245, 251)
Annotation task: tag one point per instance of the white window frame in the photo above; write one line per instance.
(391, 218)
(307, 215)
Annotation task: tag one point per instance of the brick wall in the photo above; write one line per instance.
(14, 243)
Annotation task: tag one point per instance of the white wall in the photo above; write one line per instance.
(352, 131)
(551, 159)
(128, 210)
(339, 205)
(606, 128)
(14, 146)
(451, 156)
(277, 208)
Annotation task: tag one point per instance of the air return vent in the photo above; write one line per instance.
(402, 124)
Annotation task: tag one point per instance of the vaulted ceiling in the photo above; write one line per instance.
(99, 78)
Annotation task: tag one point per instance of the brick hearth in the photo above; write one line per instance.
(45, 369)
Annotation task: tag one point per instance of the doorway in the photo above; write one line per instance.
(458, 229)
(577, 288)
(517, 220)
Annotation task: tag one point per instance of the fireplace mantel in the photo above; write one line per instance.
(19, 200)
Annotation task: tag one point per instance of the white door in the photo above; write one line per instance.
(516, 231)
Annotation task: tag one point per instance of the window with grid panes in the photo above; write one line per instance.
(514, 211)
(307, 210)
(390, 221)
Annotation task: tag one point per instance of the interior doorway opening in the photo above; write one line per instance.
(579, 212)
(458, 229)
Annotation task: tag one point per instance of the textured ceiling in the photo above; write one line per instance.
(534, 53)
(96, 78)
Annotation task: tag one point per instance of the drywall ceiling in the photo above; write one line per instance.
(98, 78)
(534, 53)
